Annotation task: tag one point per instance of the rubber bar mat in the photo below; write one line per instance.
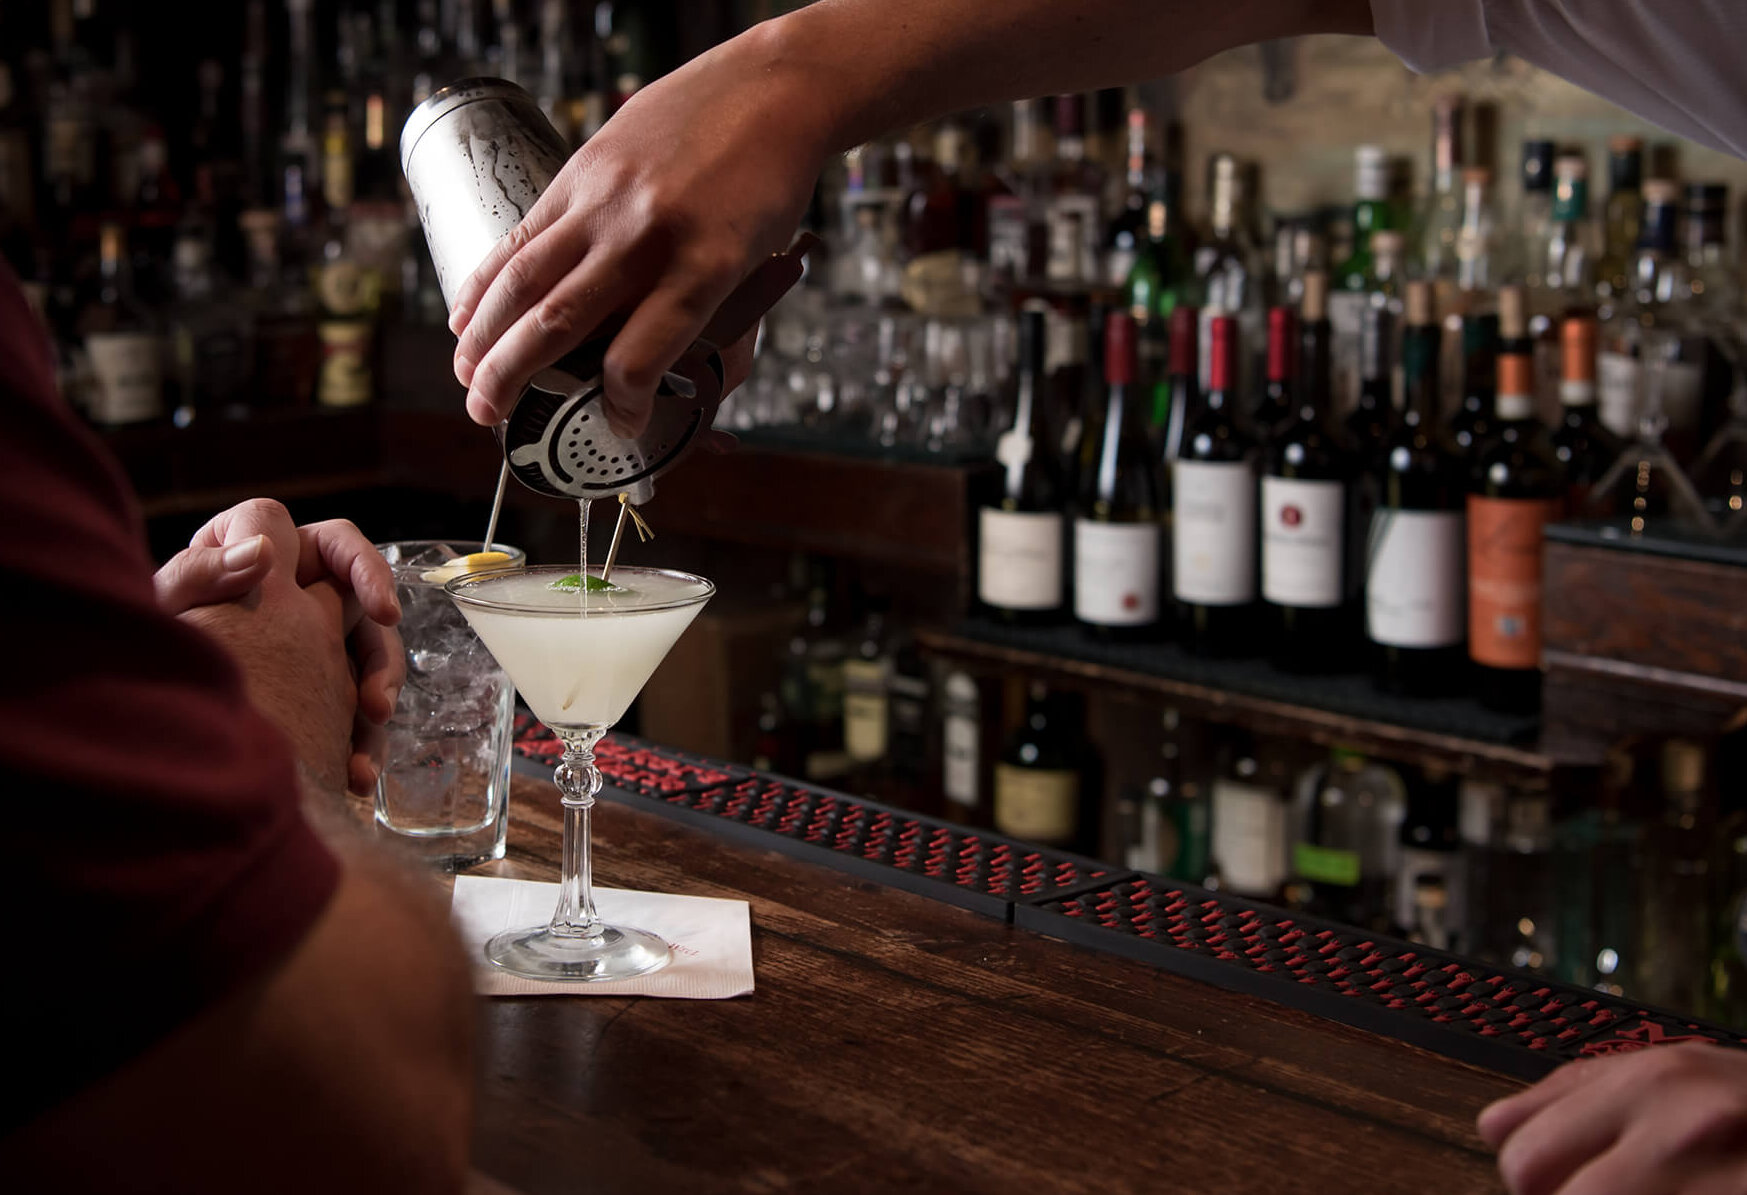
(1506, 1020)
(1352, 694)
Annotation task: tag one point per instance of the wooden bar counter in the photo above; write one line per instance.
(897, 1043)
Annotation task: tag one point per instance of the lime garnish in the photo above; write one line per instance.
(574, 582)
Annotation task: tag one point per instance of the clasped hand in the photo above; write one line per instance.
(308, 613)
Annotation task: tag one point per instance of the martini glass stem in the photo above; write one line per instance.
(578, 781)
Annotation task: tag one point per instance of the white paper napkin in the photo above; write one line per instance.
(711, 939)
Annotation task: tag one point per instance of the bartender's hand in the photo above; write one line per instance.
(702, 175)
(285, 599)
(1670, 1120)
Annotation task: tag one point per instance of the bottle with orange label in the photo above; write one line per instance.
(1516, 489)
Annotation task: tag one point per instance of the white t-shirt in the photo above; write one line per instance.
(1680, 63)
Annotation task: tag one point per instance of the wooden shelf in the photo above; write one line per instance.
(1338, 710)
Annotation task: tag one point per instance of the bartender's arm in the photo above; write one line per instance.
(709, 169)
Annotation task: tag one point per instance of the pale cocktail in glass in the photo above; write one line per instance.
(579, 658)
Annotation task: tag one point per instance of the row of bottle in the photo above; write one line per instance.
(1250, 524)
(1636, 885)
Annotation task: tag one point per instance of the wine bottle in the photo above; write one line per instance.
(1415, 554)
(1019, 563)
(1584, 447)
(1371, 422)
(1183, 386)
(1305, 494)
(1471, 423)
(964, 780)
(1276, 404)
(1250, 838)
(1037, 781)
(1515, 490)
(1117, 528)
(1213, 492)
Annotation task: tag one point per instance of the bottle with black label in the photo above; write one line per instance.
(1306, 489)
(1019, 565)
(1213, 496)
(1118, 529)
(1415, 557)
(1038, 793)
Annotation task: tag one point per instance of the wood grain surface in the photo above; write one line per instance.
(898, 1044)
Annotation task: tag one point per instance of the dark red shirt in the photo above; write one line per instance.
(156, 853)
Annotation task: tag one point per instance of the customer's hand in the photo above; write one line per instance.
(285, 601)
(1670, 1120)
(656, 220)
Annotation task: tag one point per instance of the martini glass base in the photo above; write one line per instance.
(613, 953)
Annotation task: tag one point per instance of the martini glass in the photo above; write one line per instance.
(579, 659)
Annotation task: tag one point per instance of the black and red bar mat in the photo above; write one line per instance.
(1495, 1017)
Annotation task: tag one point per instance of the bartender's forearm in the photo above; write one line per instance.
(865, 67)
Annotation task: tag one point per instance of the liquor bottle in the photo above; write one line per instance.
(122, 341)
(1414, 583)
(1348, 849)
(1706, 295)
(1129, 228)
(1185, 822)
(1038, 780)
(1306, 490)
(1373, 418)
(1471, 424)
(1355, 278)
(909, 737)
(1523, 249)
(965, 781)
(1622, 221)
(1154, 287)
(1440, 219)
(1229, 271)
(938, 209)
(1572, 247)
(1015, 211)
(210, 335)
(1277, 404)
(1637, 316)
(1426, 899)
(347, 291)
(1583, 447)
(1478, 261)
(1213, 503)
(1118, 528)
(812, 683)
(155, 211)
(1519, 903)
(1516, 489)
(1019, 566)
(287, 349)
(1172, 417)
(866, 694)
(1674, 884)
(1250, 840)
(1077, 189)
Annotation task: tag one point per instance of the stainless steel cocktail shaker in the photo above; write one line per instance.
(478, 154)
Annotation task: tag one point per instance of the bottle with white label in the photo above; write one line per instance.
(122, 341)
(1305, 494)
(1038, 782)
(1251, 843)
(1213, 496)
(1415, 584)
(1019, 558)
(1117, 533)
(962, 778)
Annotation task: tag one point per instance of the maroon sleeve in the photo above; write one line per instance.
(158, 855)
